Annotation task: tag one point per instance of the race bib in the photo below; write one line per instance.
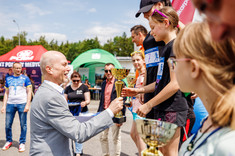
(160, 69)
(152, 57)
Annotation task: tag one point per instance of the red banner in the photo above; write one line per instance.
(185, 10)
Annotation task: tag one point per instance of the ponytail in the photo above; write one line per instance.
(223, 111)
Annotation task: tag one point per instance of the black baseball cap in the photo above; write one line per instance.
(145, 6)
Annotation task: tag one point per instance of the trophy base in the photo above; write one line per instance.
(146, 152)
(119, 120)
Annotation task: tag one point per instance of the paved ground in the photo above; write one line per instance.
(91, 148)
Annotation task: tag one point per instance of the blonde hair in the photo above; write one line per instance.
(217, 61)
(140, 53)
(171, 15)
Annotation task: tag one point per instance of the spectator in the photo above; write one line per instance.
(77, 93)
(10, 73)
(17, 97)
(87, 83)
(108, 94)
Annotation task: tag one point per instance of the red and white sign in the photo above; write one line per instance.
(25, 55)
(185, 10)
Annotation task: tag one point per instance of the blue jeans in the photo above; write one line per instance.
(78, 146)
(10, 114)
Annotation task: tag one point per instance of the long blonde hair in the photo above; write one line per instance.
(217, 61)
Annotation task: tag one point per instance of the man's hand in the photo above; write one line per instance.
(116, 105)
(3, 109)
(118, 125)
(144, 110)
(26, 108)
(129, 92)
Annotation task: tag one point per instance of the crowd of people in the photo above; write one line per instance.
(175, 64)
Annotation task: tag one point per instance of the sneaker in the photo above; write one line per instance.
(7, 146)
(22, 148)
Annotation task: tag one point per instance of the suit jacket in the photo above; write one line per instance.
(113, 96)
(52, 125)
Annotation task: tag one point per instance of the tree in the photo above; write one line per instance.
(121, 45)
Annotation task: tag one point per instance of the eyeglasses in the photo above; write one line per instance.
(76, 80)
(172, 62)
(159, 12)
(106, 71)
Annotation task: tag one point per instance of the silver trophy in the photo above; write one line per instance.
(155, 134)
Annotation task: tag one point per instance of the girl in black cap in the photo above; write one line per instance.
(169, 103)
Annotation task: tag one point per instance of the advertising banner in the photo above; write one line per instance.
(185, 10)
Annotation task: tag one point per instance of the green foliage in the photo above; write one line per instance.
(119, 45)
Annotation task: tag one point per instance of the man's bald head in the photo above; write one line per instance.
(54, 67)
(48, 59)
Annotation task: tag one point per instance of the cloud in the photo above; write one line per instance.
(50, 36)
(92, 10)
(32, 28)
(73, 5)
(131, 20)
(103, 32)
(34, 10)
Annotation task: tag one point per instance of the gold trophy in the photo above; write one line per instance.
(131, 80)
(155, 134)
(119, 74)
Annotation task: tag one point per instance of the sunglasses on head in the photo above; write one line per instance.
(106, 71)
(162, 14)
(76, 80)
(159, 12)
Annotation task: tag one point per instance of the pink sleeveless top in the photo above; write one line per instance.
(135, 101)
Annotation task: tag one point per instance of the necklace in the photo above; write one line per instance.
(193, 142)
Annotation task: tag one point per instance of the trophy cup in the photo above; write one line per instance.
(155, 134)
(131, 83)
(119, 74)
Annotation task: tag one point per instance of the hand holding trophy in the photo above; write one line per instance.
(119, 74)
(131, 80)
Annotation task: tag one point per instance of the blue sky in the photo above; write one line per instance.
(71, 20)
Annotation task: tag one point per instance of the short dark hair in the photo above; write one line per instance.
(139, 28)
(16, 63)
(107, 64)
(75, 74)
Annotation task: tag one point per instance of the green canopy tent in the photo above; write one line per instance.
(92, 59)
